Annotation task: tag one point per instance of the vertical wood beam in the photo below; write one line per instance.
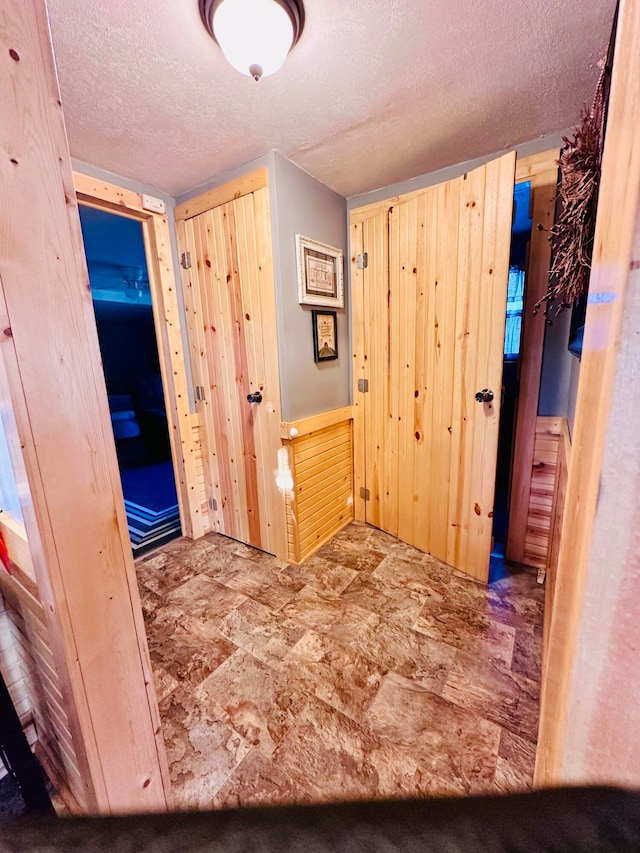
(542, 171)
(613, 267)
(50, 359)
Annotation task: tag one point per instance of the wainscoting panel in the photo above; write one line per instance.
(559, 496)
(541, 495)
(200, 484)
(319, 497)
(28, 666)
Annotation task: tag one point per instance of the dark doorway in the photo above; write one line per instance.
(117, 264)
(520, 236)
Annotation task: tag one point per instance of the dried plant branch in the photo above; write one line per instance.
(572, 235)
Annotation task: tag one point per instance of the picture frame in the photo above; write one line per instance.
(325, 335)
(320, 273)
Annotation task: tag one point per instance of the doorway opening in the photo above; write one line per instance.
(520, 238)
(117, 264)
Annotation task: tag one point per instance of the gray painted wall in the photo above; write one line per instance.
(305, 206)
(556, 367)
(560, 372)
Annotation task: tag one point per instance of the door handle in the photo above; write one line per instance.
(484, 396)
(255, 397)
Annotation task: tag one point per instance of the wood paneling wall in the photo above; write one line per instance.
(432, 303)
(319, 494)
(230, 309)
(546, 496)
(201, 485)
(541, 492)
(28, 666)
(557, 517)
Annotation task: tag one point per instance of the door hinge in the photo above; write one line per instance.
(185, 260)
(199, 389)
(362, 261)
(542, 574)
(213, 503)
(363, 386)
(365, 494)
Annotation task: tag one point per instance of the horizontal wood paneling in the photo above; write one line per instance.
(320, 500)
(557, 517)
(542, 492)
(200, 484)
(29, 668)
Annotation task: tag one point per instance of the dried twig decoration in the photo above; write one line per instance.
(572, 235)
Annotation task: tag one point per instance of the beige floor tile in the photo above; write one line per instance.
(370, 671)
(263, 713)
(333, 672)
(440, 739)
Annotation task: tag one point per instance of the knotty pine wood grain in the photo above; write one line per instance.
(230, 305)
(320, 501)
(611, 271)
(542, 171)
(52, 380)
(432, 303)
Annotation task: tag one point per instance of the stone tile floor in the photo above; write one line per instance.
(371, 671)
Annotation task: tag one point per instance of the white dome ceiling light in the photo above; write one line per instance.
(254, 35)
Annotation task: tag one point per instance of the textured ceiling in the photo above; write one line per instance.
(376, 91)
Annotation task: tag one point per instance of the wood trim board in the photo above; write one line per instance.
(51, 379)
(244, 185)
(167, 323)
(613, 266)
(542, 171)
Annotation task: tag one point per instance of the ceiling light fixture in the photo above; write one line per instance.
(254, 35)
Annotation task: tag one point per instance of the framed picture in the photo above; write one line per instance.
(325, 335)
(320, 273)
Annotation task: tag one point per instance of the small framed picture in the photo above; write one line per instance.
(320, 273)
(325, 335)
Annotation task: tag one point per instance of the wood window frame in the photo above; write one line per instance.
(112, 198)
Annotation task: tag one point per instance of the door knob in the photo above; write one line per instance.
(484, 396)
(255, 397)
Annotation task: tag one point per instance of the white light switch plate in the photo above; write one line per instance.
(155, 205)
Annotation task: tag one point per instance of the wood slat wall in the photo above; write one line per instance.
(230, 310)
(557, 517)
(201, 485)
(432, 304)
(541, 495)
(28, 665)
(319, 501)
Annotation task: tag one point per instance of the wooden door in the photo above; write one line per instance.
(230, 306)
(429, 317)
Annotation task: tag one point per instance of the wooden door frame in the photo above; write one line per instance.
(167, 320)
(542, 170)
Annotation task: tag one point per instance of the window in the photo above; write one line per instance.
(513, 328)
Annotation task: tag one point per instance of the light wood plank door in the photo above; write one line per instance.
(430, 307)
(231, 318)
